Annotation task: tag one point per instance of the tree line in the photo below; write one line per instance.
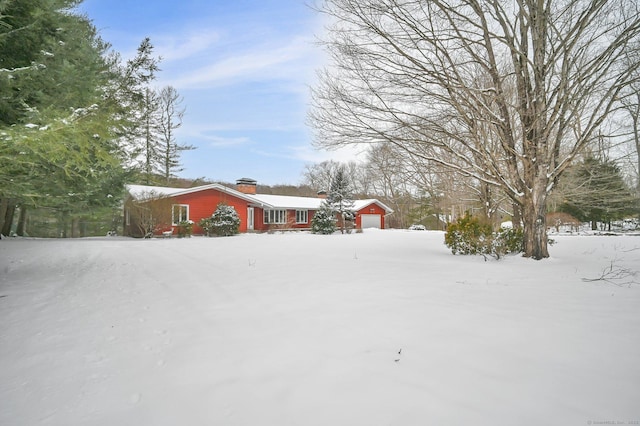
(594, 189)
(77, 121)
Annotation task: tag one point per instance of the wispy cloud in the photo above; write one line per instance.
(181, 46)
(292, 59)
(309, 154)
(210, 135)
(221, 141)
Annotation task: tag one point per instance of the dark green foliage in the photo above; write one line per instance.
(340, 197)
(42, 48)
(57, 150)
(468, 236)
(595, 191)
(185, 229)
(324, 220)
(508, 240)
(72, 113)
(471, 236)
(223, 222)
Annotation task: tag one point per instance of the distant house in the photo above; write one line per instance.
(157, 210)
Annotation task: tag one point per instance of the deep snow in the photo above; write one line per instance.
(378, 328)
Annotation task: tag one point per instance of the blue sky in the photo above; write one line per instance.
(244, 68)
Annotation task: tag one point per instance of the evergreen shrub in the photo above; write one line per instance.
(470, 236)
(223, 222)
(324, 221)
(185, 229)
(508, 240)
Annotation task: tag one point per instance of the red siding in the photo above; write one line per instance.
(370, 209)
(202, 204)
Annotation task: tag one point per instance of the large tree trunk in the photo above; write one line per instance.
(75, 228)
(22, 221)
(636, 137)
(8, 218)
(534, 210)
(62, 225)
(4, 204)
(516, 219)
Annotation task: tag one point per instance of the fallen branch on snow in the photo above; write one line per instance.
(616, 275)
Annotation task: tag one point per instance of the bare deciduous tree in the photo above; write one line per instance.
(391, 180)
(631, 104)
(148, 213)
(512, 91)
(320, 175)
(171, 114)
(150, 128)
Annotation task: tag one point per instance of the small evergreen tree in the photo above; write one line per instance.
(223, 222)
(324, 220)
(340, 196)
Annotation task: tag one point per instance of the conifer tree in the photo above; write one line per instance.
(56, 147)
(340, 197)
(324, 220)
(138, 107)
(595, 191)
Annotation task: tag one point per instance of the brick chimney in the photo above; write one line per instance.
(322, 194)
(246, 186)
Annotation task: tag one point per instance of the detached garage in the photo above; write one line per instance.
(371, 214)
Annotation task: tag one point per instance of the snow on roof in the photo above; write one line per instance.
(145, 192)
(360, 204)
(313, 203)
(289, 202)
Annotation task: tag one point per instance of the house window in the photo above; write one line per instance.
(275, 216)
(127, 217)
(302, 216)
(180, 213)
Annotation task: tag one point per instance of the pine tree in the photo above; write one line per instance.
(324, 220)
(340, 197)
(56, 147)
(139, 107)
(595, 191)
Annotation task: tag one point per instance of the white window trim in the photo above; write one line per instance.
(173, 216)
(304, 214)
(275, 216)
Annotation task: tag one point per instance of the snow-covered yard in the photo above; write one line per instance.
(378, 328)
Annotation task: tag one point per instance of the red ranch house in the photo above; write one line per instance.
(158, 209)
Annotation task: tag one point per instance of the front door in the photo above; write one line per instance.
(250, 218)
